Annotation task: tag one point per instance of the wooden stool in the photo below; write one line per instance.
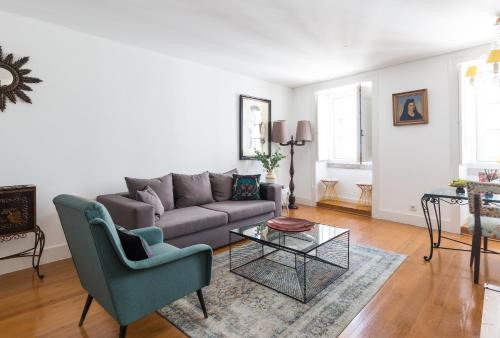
(366, 193)
(330, 193)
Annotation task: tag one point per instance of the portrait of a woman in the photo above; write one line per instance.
(410, 108)
(410, 111)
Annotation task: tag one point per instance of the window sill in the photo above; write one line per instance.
(482, 165)
(362, 166)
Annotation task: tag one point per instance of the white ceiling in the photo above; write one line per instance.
(290, 42)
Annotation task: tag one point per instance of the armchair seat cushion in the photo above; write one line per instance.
(179, 222)
(237, 210)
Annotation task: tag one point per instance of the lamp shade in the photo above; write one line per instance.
(494, 56)
(279, 132)
(303, 131)
(471, 71)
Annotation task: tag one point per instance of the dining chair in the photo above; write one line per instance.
(485, 222)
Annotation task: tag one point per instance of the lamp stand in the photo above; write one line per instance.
(291, 198)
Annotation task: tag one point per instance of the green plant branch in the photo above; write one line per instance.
(272, 162)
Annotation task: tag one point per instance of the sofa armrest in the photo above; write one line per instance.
(128, 213)
(272, 192)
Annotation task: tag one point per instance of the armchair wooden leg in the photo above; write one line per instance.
(202, 302)
(85, 309)
(123, 331)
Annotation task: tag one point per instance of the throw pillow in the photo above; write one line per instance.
(192, 190)
(246, 187)
(162, 186)
(222, 185)
(134, 246)
(149, 196)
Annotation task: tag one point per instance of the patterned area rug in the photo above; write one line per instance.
(238, 307)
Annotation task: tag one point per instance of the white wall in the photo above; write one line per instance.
(106, 110)
(407, 161)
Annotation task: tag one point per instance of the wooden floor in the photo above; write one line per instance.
(421, 299)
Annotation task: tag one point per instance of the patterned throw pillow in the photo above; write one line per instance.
(246, 187)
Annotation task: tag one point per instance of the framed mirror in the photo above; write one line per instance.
(14, 79)
(255, 126)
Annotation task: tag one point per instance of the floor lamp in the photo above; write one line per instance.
(302, 135)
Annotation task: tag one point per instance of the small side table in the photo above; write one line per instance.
(35, 252)
(366, 193)
(330, 193)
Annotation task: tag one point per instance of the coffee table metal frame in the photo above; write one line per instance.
(275, 261)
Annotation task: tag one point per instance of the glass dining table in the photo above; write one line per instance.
(431, 205)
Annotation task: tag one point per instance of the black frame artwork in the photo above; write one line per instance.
(266, 135)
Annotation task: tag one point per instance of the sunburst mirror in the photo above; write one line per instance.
(14, 79)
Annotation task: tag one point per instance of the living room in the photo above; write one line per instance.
(309, 166)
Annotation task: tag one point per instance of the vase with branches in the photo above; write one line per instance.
(270, 163)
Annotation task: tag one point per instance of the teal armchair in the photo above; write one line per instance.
(128, 290)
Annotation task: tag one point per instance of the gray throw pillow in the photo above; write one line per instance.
(222, 185)
(162, 186)
(192, 190)
(149, 196)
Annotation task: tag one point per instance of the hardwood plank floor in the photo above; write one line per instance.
(421, 299)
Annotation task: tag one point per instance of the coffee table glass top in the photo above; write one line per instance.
(303, 242)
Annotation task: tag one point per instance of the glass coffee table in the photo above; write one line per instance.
(297, 264)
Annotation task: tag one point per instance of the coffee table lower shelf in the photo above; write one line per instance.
(299, 275)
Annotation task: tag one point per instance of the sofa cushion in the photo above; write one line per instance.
(222, 185)
(190, 190)
(184, 221)
(237, 210)
(246, 187)
(162, 187)
(149, 196)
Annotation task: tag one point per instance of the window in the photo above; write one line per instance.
(480, 119)
(344, 124)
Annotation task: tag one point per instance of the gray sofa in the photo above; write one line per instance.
(206, 223)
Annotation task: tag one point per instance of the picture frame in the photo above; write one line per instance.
(410, 108)
(255, 126)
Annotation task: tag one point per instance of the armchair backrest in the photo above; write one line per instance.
(475, 191)
(93, 243)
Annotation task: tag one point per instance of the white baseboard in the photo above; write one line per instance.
(412, 219)
(305, 200)
(50, 254)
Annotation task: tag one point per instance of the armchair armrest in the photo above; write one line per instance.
(127, 212)
(272, 192)
(152, 235)
(170, 257)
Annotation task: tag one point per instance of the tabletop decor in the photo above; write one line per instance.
(303, 134)
(14, 79)
(460, 184)
(270, 163)
(410, 108)
(255, 127)
(290, 224)
(18, 219)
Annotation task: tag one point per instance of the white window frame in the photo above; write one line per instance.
(337, 93)
(469, 126)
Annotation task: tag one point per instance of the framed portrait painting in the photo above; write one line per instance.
(410, 108)
(255, 126)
